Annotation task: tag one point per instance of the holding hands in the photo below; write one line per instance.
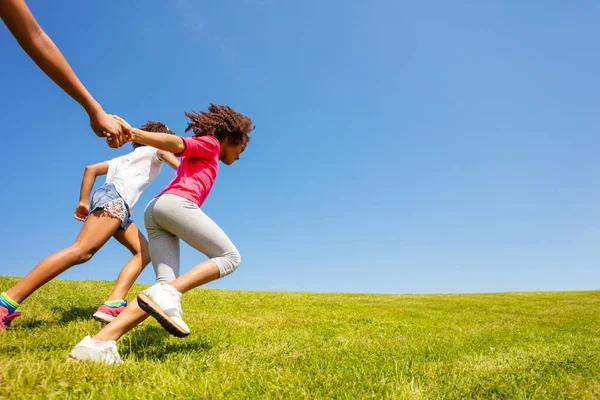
(113, 128)
(104, 125)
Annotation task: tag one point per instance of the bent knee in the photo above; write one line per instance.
(83, 254)
(235, 259)
(228, 262)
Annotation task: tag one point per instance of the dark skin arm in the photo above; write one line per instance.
(42, 50)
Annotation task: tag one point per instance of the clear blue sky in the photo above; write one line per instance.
(401, 147)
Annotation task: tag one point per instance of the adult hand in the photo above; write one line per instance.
(104, 125)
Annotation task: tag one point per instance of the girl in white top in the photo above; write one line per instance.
(105, 216)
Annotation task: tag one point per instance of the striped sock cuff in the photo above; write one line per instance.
(7, 302)
(116, 303)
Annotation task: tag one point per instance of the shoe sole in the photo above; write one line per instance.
(73, 360)
(163, 319)
(102, 317)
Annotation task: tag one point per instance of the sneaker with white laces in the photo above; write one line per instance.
(94, 350)
(163, 302)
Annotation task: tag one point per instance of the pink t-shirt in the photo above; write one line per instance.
(198, 169)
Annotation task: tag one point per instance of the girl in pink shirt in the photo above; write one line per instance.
(220, 134)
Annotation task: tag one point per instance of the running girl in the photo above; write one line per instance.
(220, 134)
(106, 215)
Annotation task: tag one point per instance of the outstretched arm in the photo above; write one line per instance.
(161, 141)
(171, 143)
(48, 57)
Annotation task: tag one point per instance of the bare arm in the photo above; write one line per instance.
(169, 159)
(89, 178)
(48, 57)
(87, 183)
(161, 141)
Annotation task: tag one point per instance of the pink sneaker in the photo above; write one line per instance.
(6, 317)
(106, 313)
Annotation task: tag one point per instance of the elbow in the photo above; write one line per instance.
(90, 170)
(180, 146)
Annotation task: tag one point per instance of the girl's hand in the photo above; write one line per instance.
(82, 211)
(125, 126)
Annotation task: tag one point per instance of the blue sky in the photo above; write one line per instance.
(401, 147)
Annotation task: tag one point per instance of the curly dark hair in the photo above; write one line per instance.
(153, 126)
(221, 122)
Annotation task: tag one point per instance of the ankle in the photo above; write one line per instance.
(99, 343)
(7, 302)
(115, 297)
(115, 302)
(101, 339)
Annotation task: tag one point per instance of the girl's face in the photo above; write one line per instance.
(230, 152)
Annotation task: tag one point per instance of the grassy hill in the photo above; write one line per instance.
(303, 345)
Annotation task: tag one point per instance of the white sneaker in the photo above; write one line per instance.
(90, 350)
(163, 302)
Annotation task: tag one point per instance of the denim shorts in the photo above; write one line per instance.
(107, 198)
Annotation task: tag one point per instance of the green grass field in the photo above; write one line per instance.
(303, 345)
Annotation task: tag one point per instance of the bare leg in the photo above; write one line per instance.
(199, 275)
(197, 230)
(96, 231)
(133, 239)
(132, 315)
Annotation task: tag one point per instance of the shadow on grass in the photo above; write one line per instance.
(74, 313)
(11, 350)
(152, 342)
(30, 324)
(62, 316)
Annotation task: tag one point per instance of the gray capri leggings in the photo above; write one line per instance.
(169, 218)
